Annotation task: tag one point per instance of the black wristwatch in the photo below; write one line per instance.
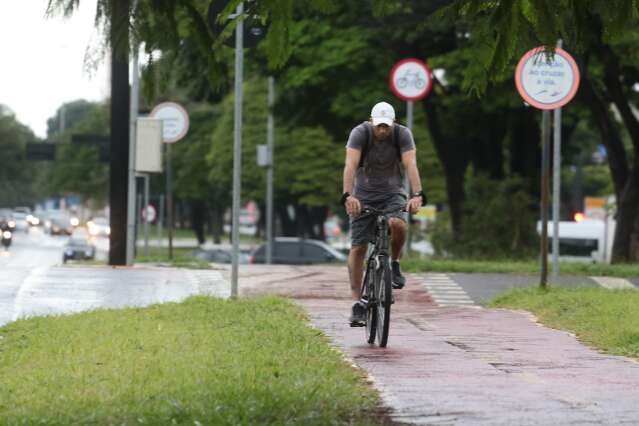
(344, 197)
(421, 194)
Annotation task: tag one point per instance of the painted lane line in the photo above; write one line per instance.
(445, 291)
(614, 283)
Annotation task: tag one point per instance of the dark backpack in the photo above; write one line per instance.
(369, 141)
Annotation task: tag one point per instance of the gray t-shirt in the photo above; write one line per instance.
(380, 175)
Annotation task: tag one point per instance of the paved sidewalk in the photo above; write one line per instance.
(464, 365)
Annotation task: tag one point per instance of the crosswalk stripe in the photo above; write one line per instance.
(613, 283)
(445, 291)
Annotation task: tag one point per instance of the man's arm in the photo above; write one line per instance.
(409, 160)
(351, 164)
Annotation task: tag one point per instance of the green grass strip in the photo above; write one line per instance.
(203, 361)
(413, 264)
(605, 319)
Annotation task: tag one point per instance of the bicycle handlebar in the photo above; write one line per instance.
(367, 210)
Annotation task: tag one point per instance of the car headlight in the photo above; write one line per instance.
(6, 235)
(12, 224)
(74, 221)
(68, 252)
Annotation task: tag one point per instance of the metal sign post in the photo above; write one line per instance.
(411, 80)
(548, 84)
(237, 148)
(175, 124)
(270, 129)
(130, 217)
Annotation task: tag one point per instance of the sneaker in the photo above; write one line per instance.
(358, 315)
(397, 278)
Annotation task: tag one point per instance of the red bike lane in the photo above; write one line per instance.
(463, 365)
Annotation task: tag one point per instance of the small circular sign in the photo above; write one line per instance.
(411, 79)
(175, 121)
(149, 214)
(547, 85)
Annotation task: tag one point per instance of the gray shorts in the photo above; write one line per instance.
(363, 228)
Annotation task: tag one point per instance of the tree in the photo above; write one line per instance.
(78, 169)
(603, 34)
(16, 174)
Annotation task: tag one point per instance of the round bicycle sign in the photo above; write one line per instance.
(411, 79)
(175, 120)
(547, 85)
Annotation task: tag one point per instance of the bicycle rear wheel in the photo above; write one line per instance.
(371, 305)
(384, 293)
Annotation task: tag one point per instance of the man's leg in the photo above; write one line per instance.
(398, 236)
(356, 269)
(398, 230)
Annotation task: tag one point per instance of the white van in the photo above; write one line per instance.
(589, 240)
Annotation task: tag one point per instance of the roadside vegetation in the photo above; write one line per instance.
(424, 265)
(203, 361)
(605, 319)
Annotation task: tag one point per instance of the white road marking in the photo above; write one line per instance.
(613, 283)
(445, 291)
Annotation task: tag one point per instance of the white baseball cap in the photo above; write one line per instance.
(383, 113)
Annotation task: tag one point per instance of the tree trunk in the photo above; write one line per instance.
(217, 219)
(288, 226)
(198, 212)
(119, 149)
(626, 246)
(453, 155)
(610, 138)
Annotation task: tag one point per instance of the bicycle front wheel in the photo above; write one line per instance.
(371, 305)
(384, 297)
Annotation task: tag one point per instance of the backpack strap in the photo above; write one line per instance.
(368, 141)
(396, 141)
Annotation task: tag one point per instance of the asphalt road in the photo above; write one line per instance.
(34, 282)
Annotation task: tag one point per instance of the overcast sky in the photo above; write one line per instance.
(42, 60)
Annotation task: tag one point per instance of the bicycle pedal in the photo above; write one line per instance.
(358, 324)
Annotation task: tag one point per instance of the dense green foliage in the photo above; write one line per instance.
(16, 174)
(77, 169)
(331, 62)
(499, 222)
(203, 361)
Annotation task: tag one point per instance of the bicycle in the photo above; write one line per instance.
(377, 288)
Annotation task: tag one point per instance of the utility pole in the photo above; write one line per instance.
(119, 150)
(269, 171)
(135, 102)
(237, 147)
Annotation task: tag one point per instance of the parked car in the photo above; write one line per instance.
(78, 248)
(298, 251)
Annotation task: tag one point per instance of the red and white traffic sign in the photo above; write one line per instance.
(547, 85)
(175, 120)
(411, 79)
(149, 214)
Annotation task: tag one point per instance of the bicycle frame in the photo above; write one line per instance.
(376, 288)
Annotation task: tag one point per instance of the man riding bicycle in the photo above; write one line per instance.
(372, 177)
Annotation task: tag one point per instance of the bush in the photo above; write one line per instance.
(498, 222)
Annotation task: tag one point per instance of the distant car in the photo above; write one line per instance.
(298, 251)
(20, 220)
(213, 255)
(59, 223)
(78, 248)
(99, 226)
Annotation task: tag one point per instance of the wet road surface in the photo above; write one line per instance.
(34, 282)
